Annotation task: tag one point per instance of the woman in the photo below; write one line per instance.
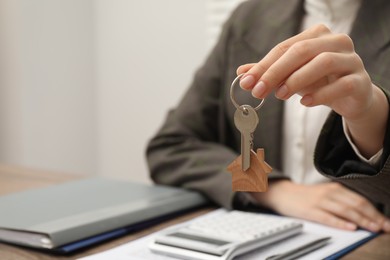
(323, 91)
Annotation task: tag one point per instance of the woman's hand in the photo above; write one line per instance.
(324, 69)
(327, 203)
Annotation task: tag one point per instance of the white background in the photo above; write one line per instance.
(85, 84)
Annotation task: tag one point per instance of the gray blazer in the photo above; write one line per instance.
(198, 139)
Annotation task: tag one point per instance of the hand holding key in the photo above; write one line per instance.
(324, 69)
(249, 171)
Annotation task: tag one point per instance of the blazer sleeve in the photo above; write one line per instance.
(335, 158)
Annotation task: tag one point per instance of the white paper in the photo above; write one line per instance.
(138, 249)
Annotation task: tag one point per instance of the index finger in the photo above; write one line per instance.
(253, 75)
(372, 218)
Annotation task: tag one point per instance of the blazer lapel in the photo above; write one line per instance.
(269, 27)
(273, 25)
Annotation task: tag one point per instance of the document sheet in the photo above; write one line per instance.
(340, 239)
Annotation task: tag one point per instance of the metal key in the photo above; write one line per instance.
(246, 121)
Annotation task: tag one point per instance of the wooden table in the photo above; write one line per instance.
(13, 179)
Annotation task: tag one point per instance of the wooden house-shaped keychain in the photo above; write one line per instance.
(254, 179)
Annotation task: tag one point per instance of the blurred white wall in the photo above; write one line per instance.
(85, 84)
(147, 52)
(47, 96)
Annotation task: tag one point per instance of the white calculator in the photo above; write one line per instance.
(224, 235)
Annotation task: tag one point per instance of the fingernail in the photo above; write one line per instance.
(259, 90)
(282, 92)
(247, 81)
(350, 226)
(307, 101)
(373, 226)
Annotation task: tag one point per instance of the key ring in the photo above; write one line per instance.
(233, 99)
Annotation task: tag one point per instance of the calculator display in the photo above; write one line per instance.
(200, 239)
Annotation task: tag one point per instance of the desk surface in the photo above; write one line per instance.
(13, 179)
